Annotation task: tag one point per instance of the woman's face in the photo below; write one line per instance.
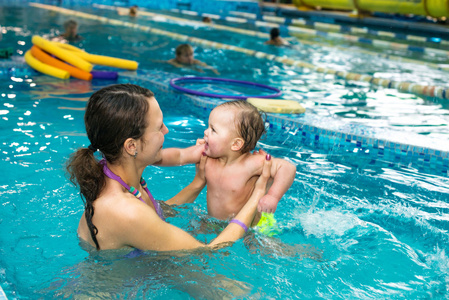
(153, 138)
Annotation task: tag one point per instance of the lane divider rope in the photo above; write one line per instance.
(263, 35)
(343, 28)
(284, 23)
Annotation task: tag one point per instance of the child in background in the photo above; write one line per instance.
(275, 38)
(184, 58)
(207, 20)
(70, 34)
(133, 11)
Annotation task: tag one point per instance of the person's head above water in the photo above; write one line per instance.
(114, 114)
(124, 122)
(71, 29)
(274, 33)
(248, 126)
(133, 10)
(184, 54)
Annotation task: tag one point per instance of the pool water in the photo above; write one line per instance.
(347, 229)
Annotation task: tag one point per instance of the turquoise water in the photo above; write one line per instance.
(349, 229)
(380, 232)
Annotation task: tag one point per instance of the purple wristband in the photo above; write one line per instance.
(240, 223)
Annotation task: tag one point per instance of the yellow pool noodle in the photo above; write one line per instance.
(63, 54)
(44, 68)
(107, 60)
(67, 47)
(277, 105)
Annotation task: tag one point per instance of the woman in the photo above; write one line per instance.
(125, 123)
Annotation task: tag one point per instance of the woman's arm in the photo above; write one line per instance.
(246, 215)
(191, 192)
(146, 231)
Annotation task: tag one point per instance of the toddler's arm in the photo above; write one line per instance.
(179, 156)
(283, 173)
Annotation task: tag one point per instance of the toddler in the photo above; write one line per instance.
(231, 169)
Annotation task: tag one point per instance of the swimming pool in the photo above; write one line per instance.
(381, 227)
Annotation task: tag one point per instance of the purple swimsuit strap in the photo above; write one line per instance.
(117, 178)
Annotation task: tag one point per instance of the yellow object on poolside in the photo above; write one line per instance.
(268, 225)
(44, 68)
(61, 53)
(277, 106)
(107, 60)
(68, 47)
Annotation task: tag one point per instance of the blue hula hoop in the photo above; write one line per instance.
(174, 81)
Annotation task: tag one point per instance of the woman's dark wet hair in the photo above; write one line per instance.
(113, 114)
(249, 121)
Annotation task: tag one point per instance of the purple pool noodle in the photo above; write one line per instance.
(104, 75)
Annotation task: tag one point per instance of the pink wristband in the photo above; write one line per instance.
(240, 223)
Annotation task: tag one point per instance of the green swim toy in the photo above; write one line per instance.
(268, 225)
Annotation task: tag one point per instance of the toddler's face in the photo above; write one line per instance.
(221, 132)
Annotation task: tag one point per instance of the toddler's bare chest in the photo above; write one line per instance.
(229, 179)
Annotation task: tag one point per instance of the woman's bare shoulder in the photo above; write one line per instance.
(121, 205)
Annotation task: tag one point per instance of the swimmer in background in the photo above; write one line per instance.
(184, 58)
(207, 20)
(70, 34)
(275, 38)
(133, 11)
(231, 169)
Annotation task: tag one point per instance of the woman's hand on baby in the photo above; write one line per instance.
(200, 174)
(201, 142)
(261, 183)
(260, 151)
(268, 204)
(200, 166)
